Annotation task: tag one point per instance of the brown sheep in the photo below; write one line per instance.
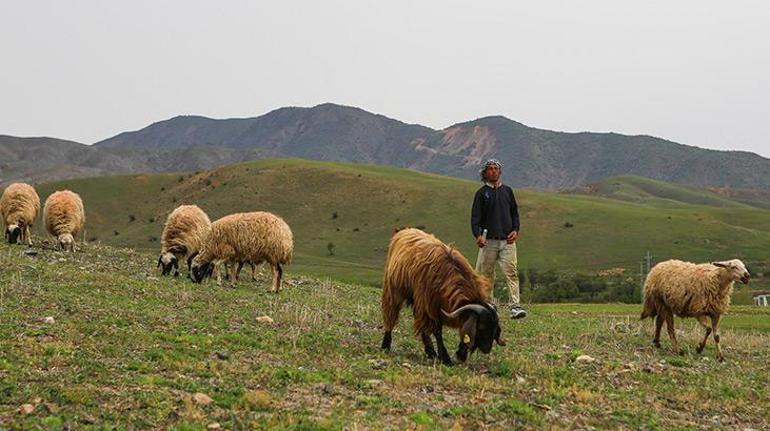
(19, 206)
(64, 217)
(433, 277)
(686, 289)
(245, 237)
(183, 234)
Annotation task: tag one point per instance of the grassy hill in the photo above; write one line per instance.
(95, 341)
(356, 207)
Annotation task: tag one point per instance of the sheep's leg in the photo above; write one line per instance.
(391, 308)
(231, 272)
(253, 272)
(442, 353)
(658, 325)
(714, 327)
(238, 272)
(277, 276)
(705, 323)
(428, 343)
(28, 235)
(671, 331)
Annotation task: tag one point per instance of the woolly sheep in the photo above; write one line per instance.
(245, 237)
(686, 289)
(183, 234)
(64, 217)
(19, 206)
(433, 277)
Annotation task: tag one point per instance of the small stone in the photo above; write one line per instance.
(520, 380)
(202, 398)
(265, 319)
(584, 359)
(214, 426)
(223, 355)
(374, 382)
(30, 252)
(26, 409)
(49, 320)
(378, 364)
(328, 389)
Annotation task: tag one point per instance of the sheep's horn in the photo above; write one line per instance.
(476, 308)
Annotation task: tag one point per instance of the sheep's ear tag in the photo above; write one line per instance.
(467, 339)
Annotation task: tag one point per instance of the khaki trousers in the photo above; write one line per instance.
(499, 251)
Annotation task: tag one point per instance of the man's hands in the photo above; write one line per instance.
(481, 241)
(512, 237)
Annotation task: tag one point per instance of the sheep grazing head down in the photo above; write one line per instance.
(737, 269)
(167, 262)
(479, 330)
(13, 232)
(66, 242)
(200, 269)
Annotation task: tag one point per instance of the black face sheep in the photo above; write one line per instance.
(245, 237)
(183, 234)
(64, 217)
(19, 206)
(686, 289)
(443, 289)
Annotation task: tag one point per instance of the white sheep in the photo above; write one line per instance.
(183, 234)
(19, 206)
(694, 290)
(64, 217)
(245, 237)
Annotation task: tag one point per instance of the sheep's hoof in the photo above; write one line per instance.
(720, 358)
(656, 344)
(680, 352)
(699, 350)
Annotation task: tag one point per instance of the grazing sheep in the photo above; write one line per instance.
(19, 206)
(245, 237)
(64, 217)
(686, 289)
(183, 234)
(434, 277)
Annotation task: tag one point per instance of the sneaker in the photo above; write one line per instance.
(517, 312)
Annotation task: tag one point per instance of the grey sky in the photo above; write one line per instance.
(696, 72)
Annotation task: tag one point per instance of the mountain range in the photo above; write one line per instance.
(531, 157)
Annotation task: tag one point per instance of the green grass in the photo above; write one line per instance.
(128, 351)
(356, 207)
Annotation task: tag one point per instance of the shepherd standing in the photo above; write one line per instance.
(495, 211)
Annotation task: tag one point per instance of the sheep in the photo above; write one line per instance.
(19, 206)
(183, 234)
(432, 277)
(691, 290)
(245, 237)
(64, 217)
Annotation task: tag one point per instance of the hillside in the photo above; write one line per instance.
(95, 341)
(355, 208)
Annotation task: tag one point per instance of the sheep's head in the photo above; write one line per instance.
(736, 268)
(479, 330)
(13, 233)
(200, 269)
(66, 242)
(167, 261)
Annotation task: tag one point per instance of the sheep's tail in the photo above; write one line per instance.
(650, 308)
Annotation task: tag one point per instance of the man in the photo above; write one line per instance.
(495, 210)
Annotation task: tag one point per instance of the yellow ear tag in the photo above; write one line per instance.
(467, 339)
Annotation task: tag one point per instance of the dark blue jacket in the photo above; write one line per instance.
(494, 209)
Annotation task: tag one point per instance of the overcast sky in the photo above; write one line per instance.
(695, 72)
